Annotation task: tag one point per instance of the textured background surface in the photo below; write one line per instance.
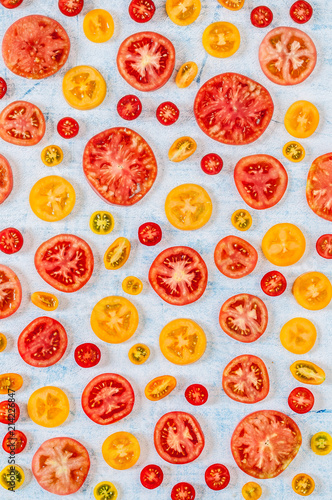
(220, 415)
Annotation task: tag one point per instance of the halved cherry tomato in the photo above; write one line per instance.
(9, 412)
(167, 113)
(301, 400)
(312, 291)
(293, 151)
(307, 372)
(3, 342)
(129, 107)
(235, 257)
(261, 16)
(52, 156)
(141, 11)
(182, 341)
(11, 4)
(87, 355)
(45, 301)
(251, 491)
(298, 335)
(246, 380)
(188, 207)
(10, 382)
(301, 119)
(14, 441)
(98, 26)
(48, 406)
(12, 474)
(10, 292)
(6, 179)
(101, 222)
(324, 246)
(181, 149)
(105, 491)
(52, 198)
(71, 8)
(186, 74)
(138, 354)
(273, 283)
(241, 220)
(22, 124)
(303, 485)
(149, 234)
(132, 285)
(121, 450)
(301, 12)
(11, 240)
(160, 387)
(151, 476)
(3, 88)
(217, 477)
(84, 87)
(221, 39)
(232, 4)
(211, 164)
(183, 13)
(319, 186)
(283, 244)
(183, 491)
(117, 254)
(321, 443)
(196, 394)
(68, 128)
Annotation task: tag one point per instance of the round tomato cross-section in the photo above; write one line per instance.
(151, 476)
(6, 179)
(319, 186)
(141, 11)
(235, 257)
(301, 400)
(22, 124)
(217, 477)
(11, 240)
(178, 438)
(10, 292)
(183, 491)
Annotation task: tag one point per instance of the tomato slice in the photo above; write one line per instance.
(98, 26)
(167, 113)
(12, 477)
(324, 246)
(3, 342)
(251, 491)
(52, 156)
(241, 220)
(221, 39)
(186, 74)
(179, 275)
(283, 244)
(232, 4)
(182, 341)
(108, 398)
(196, 394)
(151, 476)
(217, 477)
(178, 438)
(319, 186)
(35, 47)
(48, 407)
(11, 4)
(10, 292)
(10, 382)
(129, 107)
(9, 412)
(273, 283)
(139, 354)
(188, 207)
(114, 319)
(293, 151)
(61, 465)
(301, 12)
(182, 148)
(45, 301)
(303, 484)
(14, 441)
(301, 119)
(101, 222)
(261, 16)
(233, 109)
(211, 164)
(235, 257)
(71, 8)
(160, 387)
(298, 335)
(132, 285)
(312, 291)
(183, 491)
(149, 234)
(84, 87)
(105, 491)
(321, 443)
(301, 400)
(52, 198)
(6, 179)
(121, 450)
(68, 128)
(146, 60)
(11, 240)
(141, 11)
(87, 355)
(3, 88)
(117, 253)
(307, 372)
(244, 317)
(183, 13)
(22, 124)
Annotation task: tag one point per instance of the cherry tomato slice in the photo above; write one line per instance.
(196, 394)
(261, 17)
(273, 283)
(129, 107)
(3, 88)
(68, 127)
(87, 355)
(211, 164)
(3, 342)
(11, 240)
(151, 476)
(183, 491)
(301, 400)
(303, 485)
(167, 113)
(14, 442)
(71, 8)
(324, 246)
(217, 477)
(141, 11)
(301, 12)
(11, 4)
(149, 234)
(9, 412)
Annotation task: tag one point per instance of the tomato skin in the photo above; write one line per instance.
(141, 11)
(246, 380)
(149, 234)
(273, 283)
(235, 257)
(9, 412)
(301, 12)
(167, 113)
(186, 74)
(14, 440)
(303, 484)
(68, 128)
(6, 179)
(183, 491)
(11, 240)
(211, 164)
(31, 123)
(217, 477)
(129, 107)
(87, 355)
(261, 16)
(321, 443)
(10, 286)
(301, 400)
(196, 394)
(3, 88)
(307, 372)
(71, 8)
(160, 387)
(151, 476)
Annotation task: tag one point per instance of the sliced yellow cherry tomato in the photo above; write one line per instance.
(114, 319)
(298, 335)
(132, 285)
(321, 443)
(183, 12)
(232, 4)
(139, 353)
(293, 151)
(105, 491)
(52, 156)
(188, 207)
(303, 485)
(242, 220)
(98, 26)
(301, 119)
(181, 149)
(307, 372)
(3, 342)
(283, 244)
(45, 301)
(48, 406)
(121, 450)
(182, 341)
(12, 477)
(160, 387)
(186, 74)
(84, 87)
(312, 291)
(10, 382)
(101, 222)
(251, 491)
(52, 198)
(117, 254)
(221, 39)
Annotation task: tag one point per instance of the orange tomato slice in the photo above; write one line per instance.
(160, 387)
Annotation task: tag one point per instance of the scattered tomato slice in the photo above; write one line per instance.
(3, 87)
(301, 119)
(10, 292)
(324, 246)
(151, 476)
(160, 387)
(303, 485)
(71, 8)
(307, 372)
(117, 254)
(293, 151)
(301, 12)
(217, 477)
(121, 450)
(181, 149)
(6, 179)
(149, 234)
(45, 301)
(98, 26)
(211, 164)
(167, 113)
(3, 342)
(261, 16)
(232, 4)
(84, 87)
(251, 491)
(183, 13)
(14, 441)
(241, 220)
(221, 39)
(139, 354)
(132, 285)
(7, 480)
(183, 491)
(52, 156)
(11, 4)
(87, 355)
(141, 11)
(22, 124)
(301, 400)
(312, 291)
(105, 491)
(129, 107)
(321, 443)
(283, 244)
(9, 412)
(68, 128)
(273, 283)
(11, 240)
(186, 74)
(196, 394)
(298, 335)
(10, 382)
(101, 222)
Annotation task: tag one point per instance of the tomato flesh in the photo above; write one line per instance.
(129, 107)
(9, 412)
(273, 283)
(261, 16)
(196, 394)
(10, 292)
(301, 400)
(22, 124)
(71, 8)
(68, 128)
(151, 476)
(301, 12)
(324, 246)
(3, 88)
(246, 379)
(149, 234)
(87, 355)
(167, 113)
(11, 240)
(217, 477)
(211, 164)
(183, 491)
(14, 441)
(142, 11)
(235, 257)
(319, 186)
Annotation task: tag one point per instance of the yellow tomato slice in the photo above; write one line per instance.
(186, 74)
(138, 354)
(298, 335)
(183, 12)
(307, 372)
(84, 87)
(188, 207)
(52, 198)
(98, 26)
(251, 491)
(160, 387)
(182, 341)
(52, 156)
(114, 319)
(132, 285)
(321, 443)
(48, 406)
(293, 151)
(232, 4)
(283, 244)
(12, 473)
(221, 39)
(101, 222)
(121, 450)
(3, 342)
(117, 254)
(181, 149)
(10, 382)
(303, 485)
(312, 291)
(242, 220)
(301, 119)
(105, 491)
(45, 301)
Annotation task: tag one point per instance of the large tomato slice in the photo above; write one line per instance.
(319, 186)
(108, 398)
(178, 437)
(235, 257)
(65, 262)
(43, 342)
(261, 180)
(287, 55)
(146, 60)
(265, 442)
(119, 166)
(244, 317)
(22, 123)
(233, 109)
(60, 465)
(179, 275)
(10, 292)
(6, 179)
(35, 47)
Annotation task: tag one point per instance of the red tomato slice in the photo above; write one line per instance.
(60, 465)
(217, 477)
(287, 56)
(10, 292)
(11, 4)
(265, 442)
(108, 398)
(65, 262)
(71, 8)
(146, 60)
(9, 412)
(235, 257)
(301, 400)
(319, 186)
(167, 113)
(22, 124)
(3, 88)
(141, 11)
(6, 179)
(178, 438)
(244, 317)
(261, 16)
(151, 476)
(183, 491)
(43, 342)
(68, 128)
(324, 246)
(274, 283)
(149, 234)
(261, 180)
(87, 355)
(179, 275)
(196, 394)
(233, 109)
(301, 12)
(11, 240)
(119, 166)
(246, 380)
(35, 47)
(14, 442)
(211, 164)
(129, 107)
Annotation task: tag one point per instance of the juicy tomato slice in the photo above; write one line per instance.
(181, 149)
(3, 88)
(43, 342)
(105, 491)
(211, 164)
(14, 441)
(48, 407)
(183, 13)
(22, 124)
(186, 74)
(10, 292)
(182, 341)
(241, 220)
(11, 240)
(98, 26)
(183, 491)
(221, 39)
(312, 291)
(273, 283)
(10, 382)
(283, 244)
(9, 412)
(261, 16)
(321, 443)
(298, 335)
(101, 222)
(149, 234)
(71, 8)
(179, 275)
(167, 113)
(301, 119)
(52, 198)
(108, 398)
(68, 128)
(160, 387)
(84, 87)
(303, 484)
(141, 11)
(232, 4)
(287, 56)
(87, 355)
(121, 450)
(151, 476)
(188, 207)
(307, 372)
(52, 156)
(7, 480)
(244, 317)
(138, 354)
(235, 257)
(324, 246)
(251, 491)
(293, 151)
(319, 186)
(146, 60)
(117, 254)
(178, 438)
(61, 465)
(3, 342)
(45, 301)
(301, 400)
(196, 394)
(11, 4)
(129, 107)
(132, 285)
(301, 12)
(6, 179)
(217, 477)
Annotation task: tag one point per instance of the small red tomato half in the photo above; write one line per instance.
(261, 17)
(183, 491)
(324, 246)
(129, 107)
(71, 8)
(14, 442)
(9, 412)
(141, 11)
(301, 12)
(301, 400)
(196, 394)
(11, 4)
(68, 127)
(167, 113)
(151, 476)
(3, 88)
(217, 477)
(87, 355)
(273, 283)
(149, 234)
(211, 164)
(11, 240)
